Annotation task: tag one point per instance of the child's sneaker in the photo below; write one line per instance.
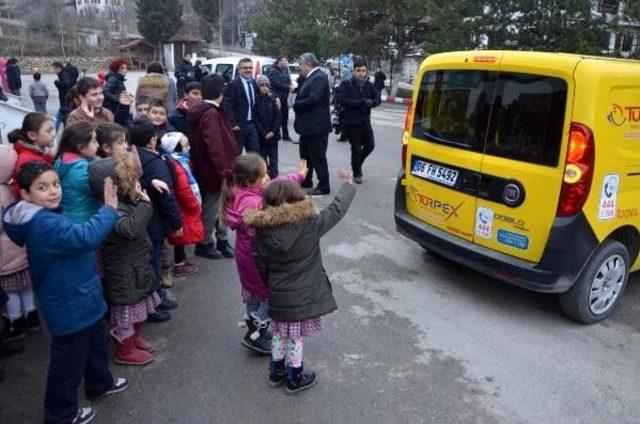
(299, 380)
(120, 384)
(185, 270)
(277, 373)
(33, 321)
(84, 415)
(13, 330)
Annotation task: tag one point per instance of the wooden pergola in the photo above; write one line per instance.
(139, 52)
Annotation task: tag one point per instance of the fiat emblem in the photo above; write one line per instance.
(511, 194)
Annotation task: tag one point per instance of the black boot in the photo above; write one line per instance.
(33, 321)
(299, 380)
(207, 251)
(13, 330)
(257, 337)
(224, 248)
(277, 373)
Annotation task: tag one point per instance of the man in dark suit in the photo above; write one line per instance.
(240, 107)
(313, 122)
(281, 84)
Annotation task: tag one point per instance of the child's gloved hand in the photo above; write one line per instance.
(110, 193)
(345, 176)
(303, 168)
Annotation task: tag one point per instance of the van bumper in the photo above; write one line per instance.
(570, 244)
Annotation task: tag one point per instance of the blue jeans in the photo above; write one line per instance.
(249, 139)
(58, 120)
(73, 357)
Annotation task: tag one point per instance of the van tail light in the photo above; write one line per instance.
(578, 170)
(407, 132)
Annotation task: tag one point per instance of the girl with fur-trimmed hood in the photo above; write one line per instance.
(287, 253)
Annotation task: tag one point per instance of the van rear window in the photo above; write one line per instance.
(511, 115)
(527, 118)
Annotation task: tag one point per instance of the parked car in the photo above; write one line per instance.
(525, 166)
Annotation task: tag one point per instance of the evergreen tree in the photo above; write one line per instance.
(159, 20)
(208, 11)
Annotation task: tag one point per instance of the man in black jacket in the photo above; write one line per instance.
(183, 74)
(64, 83)
(358, 96)
(313, 122)
(281, 85)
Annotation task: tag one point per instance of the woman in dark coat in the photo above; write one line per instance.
(115, 84)
(287, 253)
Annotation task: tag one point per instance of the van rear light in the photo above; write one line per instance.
(578, 170)
(407, 132)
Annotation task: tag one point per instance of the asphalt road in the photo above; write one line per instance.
(416, 339)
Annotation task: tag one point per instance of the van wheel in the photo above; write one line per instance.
(600, 285)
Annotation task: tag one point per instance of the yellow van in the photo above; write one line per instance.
(526, 166)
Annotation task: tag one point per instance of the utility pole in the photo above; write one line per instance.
(220, 28)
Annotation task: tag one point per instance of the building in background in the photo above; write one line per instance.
(625, 41)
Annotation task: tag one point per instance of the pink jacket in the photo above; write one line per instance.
(244, 200)
(12, 257)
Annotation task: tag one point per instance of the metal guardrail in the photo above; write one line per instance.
(12, 113)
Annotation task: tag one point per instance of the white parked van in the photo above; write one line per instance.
(227, 67)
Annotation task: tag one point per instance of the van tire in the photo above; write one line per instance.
(575, 302)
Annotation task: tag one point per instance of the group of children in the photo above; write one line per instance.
(94, 221)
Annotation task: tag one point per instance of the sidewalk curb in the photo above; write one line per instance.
(393, 99)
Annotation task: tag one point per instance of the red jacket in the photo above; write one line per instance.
(192, 227)
(214, 147)
(27, 153)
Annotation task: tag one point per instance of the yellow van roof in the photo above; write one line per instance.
(565, 61)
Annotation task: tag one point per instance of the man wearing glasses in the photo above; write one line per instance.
(239, 107)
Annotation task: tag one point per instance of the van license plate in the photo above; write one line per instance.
(433, 172)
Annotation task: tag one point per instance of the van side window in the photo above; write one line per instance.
(527, 118)
(225, 71)
(453, 107)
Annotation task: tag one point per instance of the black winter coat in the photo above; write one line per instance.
(64, 84)
(280, 81)
(312, 105)
(166, 214)
(287, 253)
(357, 102)
(268, 118)
(112, 89)
(13, 77)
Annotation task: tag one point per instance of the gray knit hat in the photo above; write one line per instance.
(263, 80)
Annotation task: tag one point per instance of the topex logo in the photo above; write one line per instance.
(620, 115)
(436, 208)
